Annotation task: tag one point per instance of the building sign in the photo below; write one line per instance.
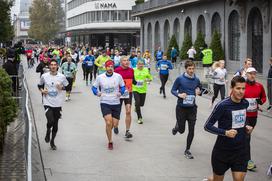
(102, 5)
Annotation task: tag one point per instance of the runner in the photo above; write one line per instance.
(69, 70)
(164, 66)
(133, 60)
(230, 147)
(83, 64)
(139, 87)
(100, 62)
(116, 59)
(51, 86)
(109, 86)
(219, 75)
(43, 66)
(185, 88)
(147, 59)
(127, 74)
(159, 54)
(89, 62)
(242, 71)
(255, 95)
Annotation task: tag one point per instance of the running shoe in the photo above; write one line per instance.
(140, 121)
(160, 90)
(66, 99)
(47, 137)
(53, 146)
(269, 107)
(188, 154)
(116, 130)
(128, 134)
(110, 146)
(250, 165)
(174, 131)
(164, 96)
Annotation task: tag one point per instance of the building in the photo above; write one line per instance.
(102, 23)
(245, 26)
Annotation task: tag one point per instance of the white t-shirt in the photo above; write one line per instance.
(191, 53)
(109, 87)
(55, 97)
(218, 74)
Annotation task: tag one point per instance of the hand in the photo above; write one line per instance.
(231, 133)
(249, 129)
(59, 87)
(222, 78)
(198, 91)
(118, 94)
(99, 94)
(44, 91)
(182, 96)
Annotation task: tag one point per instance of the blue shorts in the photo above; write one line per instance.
(113, 110)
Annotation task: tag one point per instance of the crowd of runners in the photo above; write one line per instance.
(118, 77)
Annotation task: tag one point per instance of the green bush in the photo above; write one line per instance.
(199, 45)
(139, 1)
(8, 106)
(186, 45)
(173, 43)
(216, 46)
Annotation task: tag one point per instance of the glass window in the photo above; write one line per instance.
(114, 16)
(105, 15)
(234, 36)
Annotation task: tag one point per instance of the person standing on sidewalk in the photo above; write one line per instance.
(255, 95)
(229, 151)
(163, 66)
(109, 86)
(51, 86)
(186, 87)
(139, 87)
(127, 74)
(219, 75)
(269, 85)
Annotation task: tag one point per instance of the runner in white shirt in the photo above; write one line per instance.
(109, 86)
(51, 86)
(191, 53)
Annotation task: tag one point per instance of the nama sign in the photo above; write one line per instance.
(105, 5)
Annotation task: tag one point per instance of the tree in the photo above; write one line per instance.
(6, 28)
(216, 46)
(8, 107)
(173, 43)
(139, 1)
(46, 18)
(199, 45)
(186, 45)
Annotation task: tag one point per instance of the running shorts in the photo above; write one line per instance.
(114, 110)
(127, 101)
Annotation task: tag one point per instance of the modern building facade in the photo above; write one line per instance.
(102, 23)
(245, 26)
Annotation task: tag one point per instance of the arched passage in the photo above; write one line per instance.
(177, 29)
(201, 25)
(234, 36)
(166, 35)
(157, 35)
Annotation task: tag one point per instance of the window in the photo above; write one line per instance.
(234, 36)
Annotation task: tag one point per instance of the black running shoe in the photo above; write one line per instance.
(160, 90)
(188, 154)
(53, 146)
(174, 131)
(47, 137)
(128, 135)
(116, 130)
(269, 107)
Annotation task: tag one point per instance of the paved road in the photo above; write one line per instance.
(153, 154)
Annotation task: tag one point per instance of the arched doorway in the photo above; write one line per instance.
(234, 36)
(216, 23)
(201, 25)
(166, 35)
(157, 35)
(149, 37)
(188, 26)
(177, 29)
(255, 38)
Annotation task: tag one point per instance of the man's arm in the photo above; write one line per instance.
(175, 88)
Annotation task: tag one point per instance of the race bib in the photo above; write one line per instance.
(52, 92)
(164, 67)
(90, 63)
(140, 83)
(189, 100)
(238, 119)
(125, 95)
(109, 90)
(252, 105)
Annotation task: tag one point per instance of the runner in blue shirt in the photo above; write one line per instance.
(89, 63)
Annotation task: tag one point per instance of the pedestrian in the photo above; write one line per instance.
(191, 53)
(163, 66)
(89, 64)
(127, 74)
(255, 95)
(109, 86)
(269, 85)
(174, 55)
(229, 151)
(219, 75)
(100, 62)
(158, 54)
(186, 87)
(51, 86)
(139, 87)
(242, 71)
(69, 70)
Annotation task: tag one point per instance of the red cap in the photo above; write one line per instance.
(109, 63)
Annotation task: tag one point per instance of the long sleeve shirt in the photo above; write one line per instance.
(228, 115)
(164, 66)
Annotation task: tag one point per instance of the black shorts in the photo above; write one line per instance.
(70, 85)
(127, 101)
(114, 110)
(224, 160)
(251, 121)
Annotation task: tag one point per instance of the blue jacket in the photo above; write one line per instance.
(133, 61)
(159, 55)
(184, 84)
(174, 53)
(164, 66)
(89, 61)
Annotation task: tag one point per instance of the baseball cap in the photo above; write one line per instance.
(251, 69)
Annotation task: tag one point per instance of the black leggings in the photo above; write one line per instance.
(95, 71)
(70, 85)
(84, 70)
(183, 115)
(139, 102)
(164, 79)
(52, 115)
(216, 89)
(89, 70)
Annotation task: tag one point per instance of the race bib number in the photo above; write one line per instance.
(164, 67)
(252, 105)
(125, 95)
(90, 63)
(189, 100)
(238, 119)
(52, 92)
(109, 90)
(140, 83)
